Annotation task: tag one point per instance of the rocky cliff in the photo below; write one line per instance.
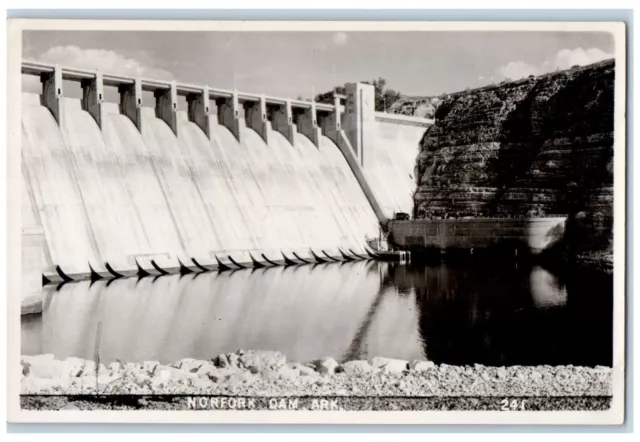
(533, 147)
(423, 107)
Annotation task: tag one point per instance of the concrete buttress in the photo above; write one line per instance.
(229, 114)
(283, 121)
(93, 97)
(308, 125)
(131, 102)
(167, 106)
(331, 124)
(257, 118)
(52, 93)
(199, 110)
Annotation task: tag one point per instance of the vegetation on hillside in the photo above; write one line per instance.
(385, 97)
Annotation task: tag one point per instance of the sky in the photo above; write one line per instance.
(292, 64)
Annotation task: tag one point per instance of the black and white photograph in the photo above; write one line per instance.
(316, 222)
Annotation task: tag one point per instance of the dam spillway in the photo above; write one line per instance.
(108, 191)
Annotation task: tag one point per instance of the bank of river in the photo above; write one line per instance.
(267, 373)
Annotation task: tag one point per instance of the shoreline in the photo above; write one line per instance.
(267, 373)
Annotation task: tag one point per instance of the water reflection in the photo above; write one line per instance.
(456, 314)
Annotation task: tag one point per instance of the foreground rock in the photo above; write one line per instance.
(265, 373)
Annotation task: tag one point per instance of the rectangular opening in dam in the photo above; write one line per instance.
(72, 89)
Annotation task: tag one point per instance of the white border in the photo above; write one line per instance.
(14, 55)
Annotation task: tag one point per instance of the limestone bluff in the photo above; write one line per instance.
(534, 147)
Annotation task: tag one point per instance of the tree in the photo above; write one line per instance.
(384, 98)
(327, 97)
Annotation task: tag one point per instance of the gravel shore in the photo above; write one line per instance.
(267, 373)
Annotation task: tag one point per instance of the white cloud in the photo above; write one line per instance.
(567, 58)
(340, 38)
(105, 60)
(564, 59)
(517, 69)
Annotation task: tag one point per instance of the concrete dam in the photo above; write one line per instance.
(234, 180)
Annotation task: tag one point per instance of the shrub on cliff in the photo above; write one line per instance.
(385, 98)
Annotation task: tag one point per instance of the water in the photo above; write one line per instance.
(503, 314)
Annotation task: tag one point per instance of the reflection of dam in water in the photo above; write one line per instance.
(495, 315)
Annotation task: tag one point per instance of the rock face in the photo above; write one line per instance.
(416, 107)
(533, 147)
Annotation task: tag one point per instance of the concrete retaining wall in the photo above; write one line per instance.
(535, 233)
(386, 147)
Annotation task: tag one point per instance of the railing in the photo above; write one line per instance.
(404, 119)
(182, 89)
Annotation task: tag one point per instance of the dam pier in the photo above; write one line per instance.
(174, 178)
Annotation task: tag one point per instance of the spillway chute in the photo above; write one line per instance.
(304, 261)
(317, 258)
(201, 267)
(357, 255)
(331, 258)
(346, 256)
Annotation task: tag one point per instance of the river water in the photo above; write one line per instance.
(497, 314)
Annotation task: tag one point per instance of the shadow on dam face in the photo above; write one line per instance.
(447, 312)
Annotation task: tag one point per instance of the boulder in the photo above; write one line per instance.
(218, 374)
(221, 361)
(288, 373)
(205, 368)
(89, 369)
(188, 364)
(388, 365)
(238, 378)
(202, 384)
(421, 365)
(73, 367)
(172, 374)
(256, 361)
(233, 359)
(44, 366)
(132, 367)
(326, 365)
(150, 366)
(356, 367)
(307, 371)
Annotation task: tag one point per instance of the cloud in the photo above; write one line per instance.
(340, 38)
(107, 61)
(517, 69)
(567, 58)
(564, 59)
